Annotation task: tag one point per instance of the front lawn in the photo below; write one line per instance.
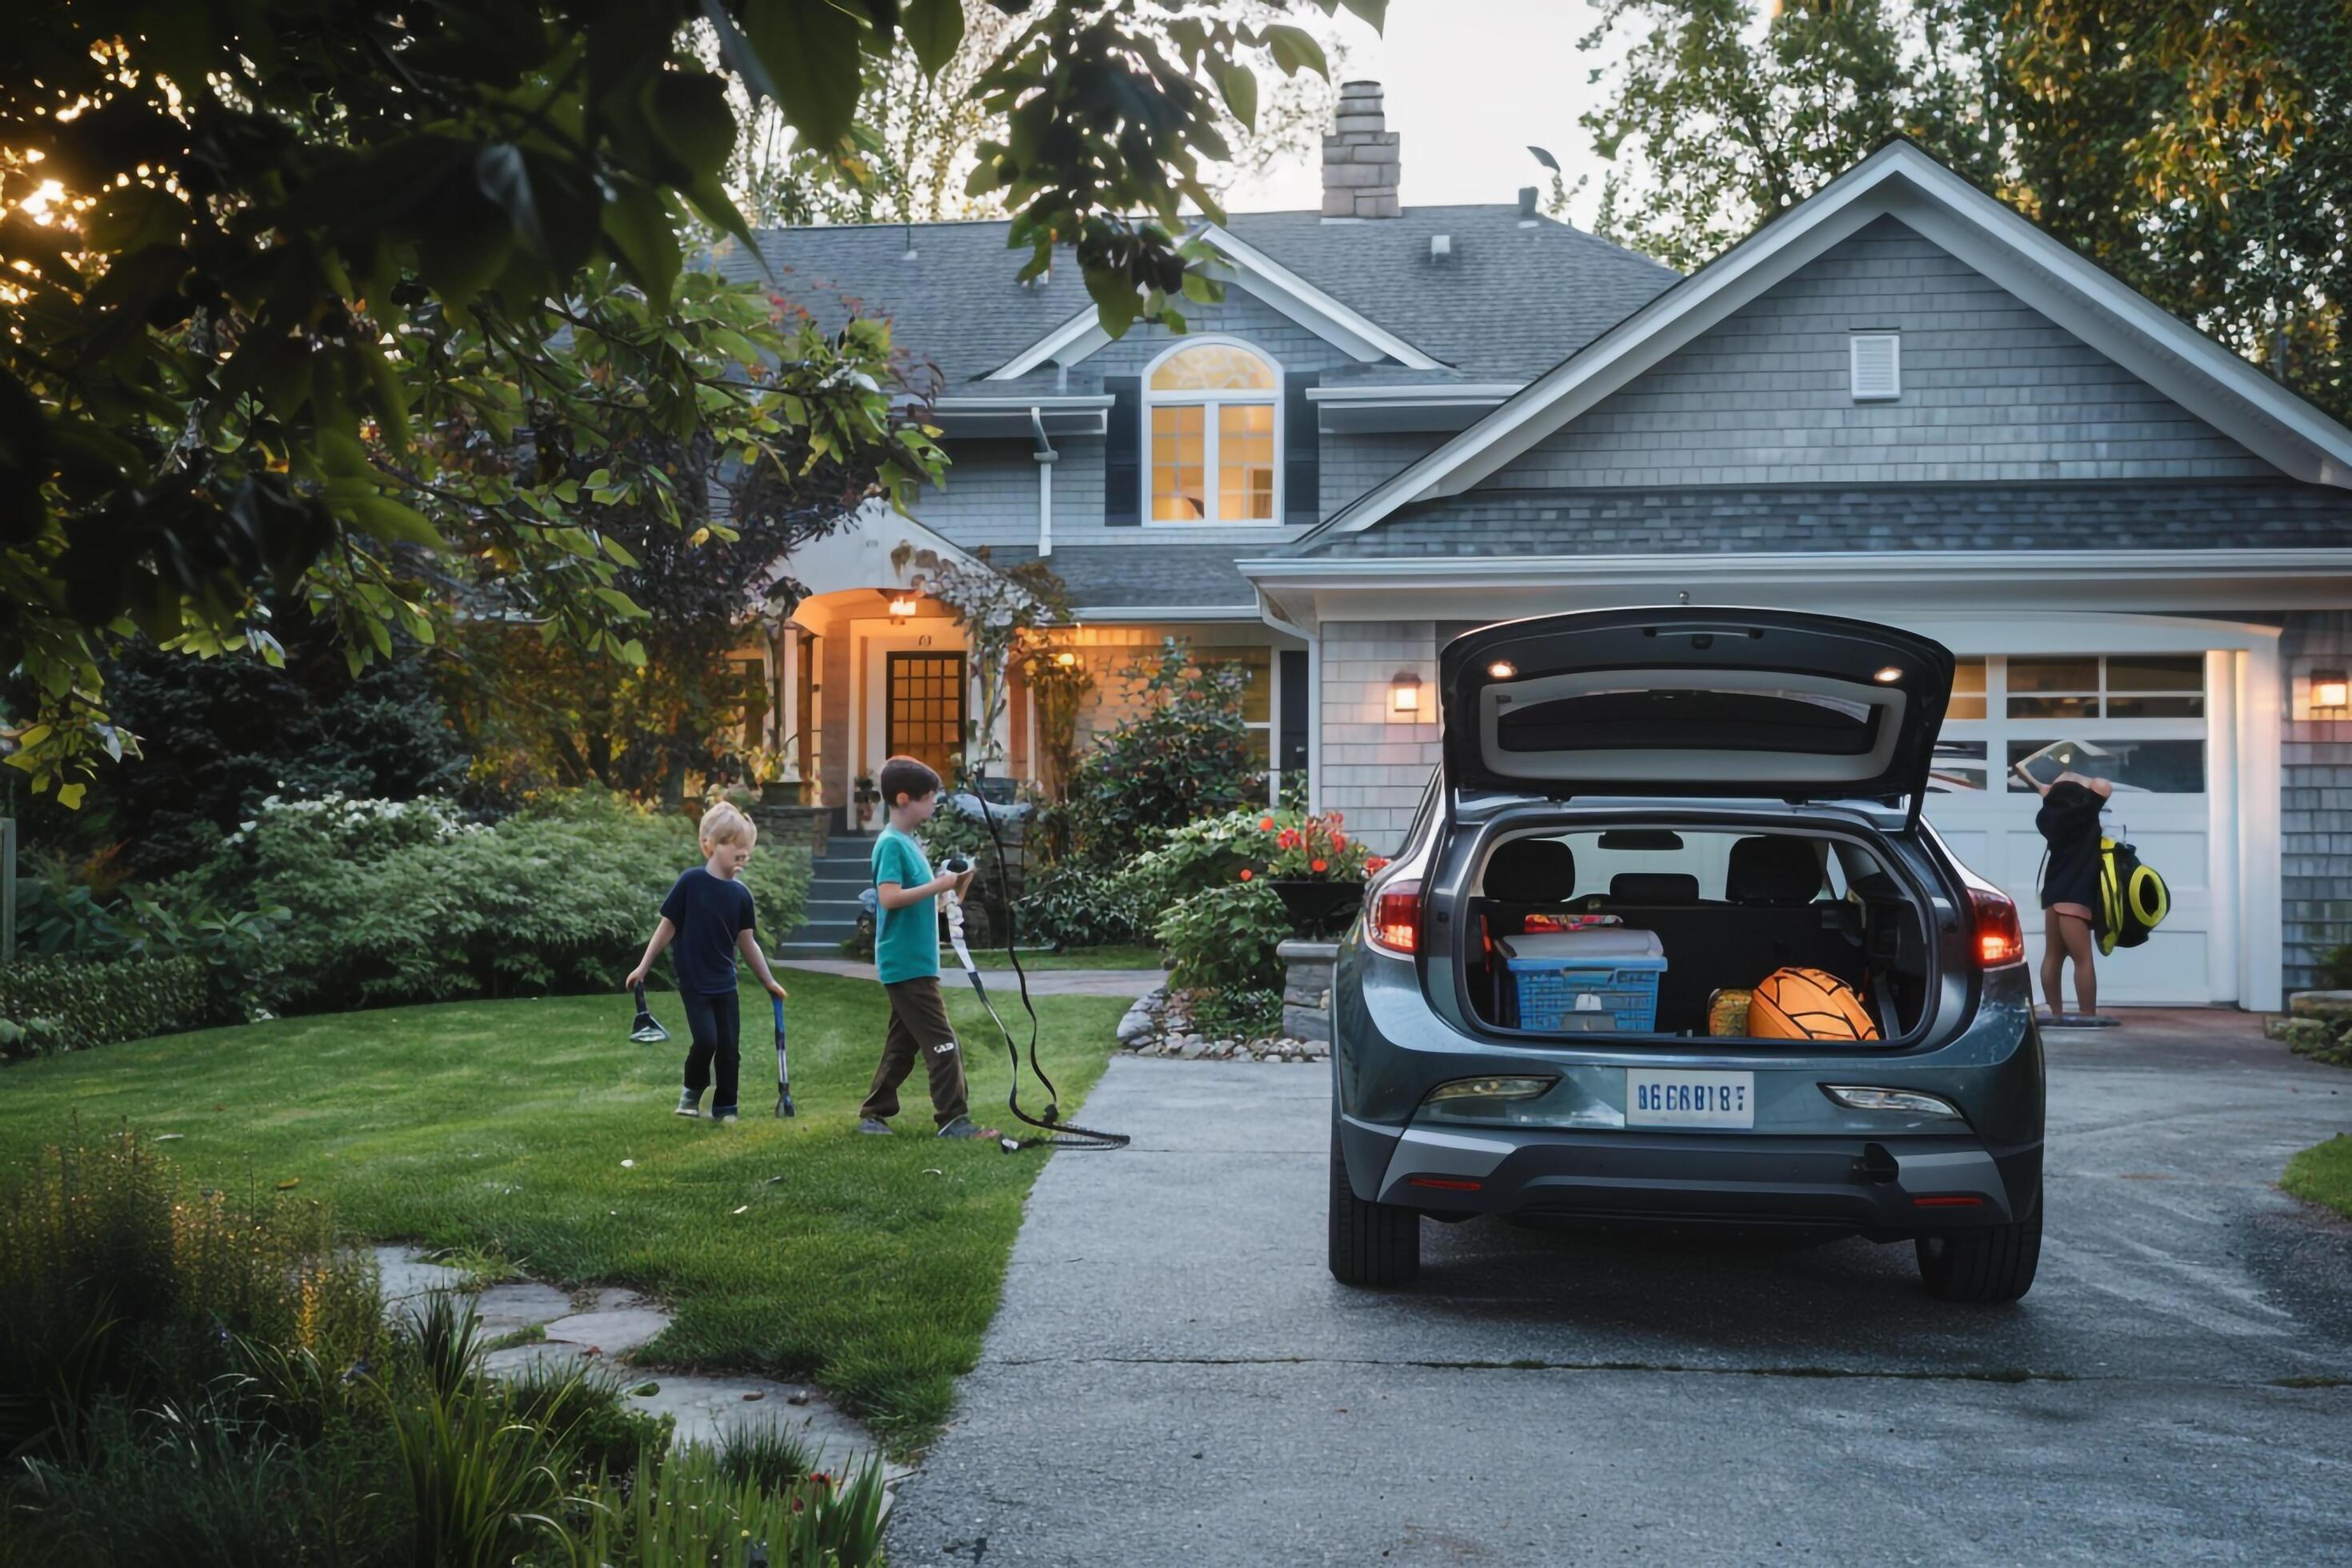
(2322, 1174)
(502, 1128)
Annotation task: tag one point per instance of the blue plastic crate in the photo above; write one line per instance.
(1601, 993)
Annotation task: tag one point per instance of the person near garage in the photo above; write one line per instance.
(2069, 825)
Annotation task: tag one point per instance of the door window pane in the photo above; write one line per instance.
(2135, 767)
(1958, 768)
(2054, 687)
(1245, 462)
(1178, 491)
(2156, 686)
(1968, 690)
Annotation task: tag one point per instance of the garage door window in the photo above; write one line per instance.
(2160, 686)
(2145, 713)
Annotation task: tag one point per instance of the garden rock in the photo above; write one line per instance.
(2335, 1006)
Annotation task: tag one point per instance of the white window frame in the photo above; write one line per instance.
(1894, 366)
(1996, 729)
(1210, 402)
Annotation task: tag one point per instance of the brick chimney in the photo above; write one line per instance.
(1360, 157)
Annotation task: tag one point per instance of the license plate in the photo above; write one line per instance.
(1684, 1097)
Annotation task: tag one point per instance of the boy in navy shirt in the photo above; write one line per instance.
(708, 916)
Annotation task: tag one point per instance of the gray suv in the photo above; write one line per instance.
(1729, 796)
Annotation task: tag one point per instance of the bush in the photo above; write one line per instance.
(50, 1005)
(1073, 905)
(1188, 755)
(2335, 968)
(412, 903)
(1221, 939)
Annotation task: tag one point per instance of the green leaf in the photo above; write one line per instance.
(812, 51)
(69, 795)
(638, 225)
(1293, 47)
(688, 111)
(389, 521)
(934, 29)
(1239, 85)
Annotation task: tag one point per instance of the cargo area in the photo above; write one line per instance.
(1651, 932)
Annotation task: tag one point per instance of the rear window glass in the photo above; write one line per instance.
(1705, 858)
(1801, 722)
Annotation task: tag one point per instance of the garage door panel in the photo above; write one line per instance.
(2169, 969)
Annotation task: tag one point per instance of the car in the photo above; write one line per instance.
(1639, 816)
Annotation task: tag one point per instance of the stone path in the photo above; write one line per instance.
(602, 1327)
(1174, 1377)
(1042, 981)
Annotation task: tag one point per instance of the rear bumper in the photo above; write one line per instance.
(1886, 1188)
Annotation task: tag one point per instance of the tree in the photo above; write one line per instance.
(2195, 150)
(1000, 610)
(283, 271)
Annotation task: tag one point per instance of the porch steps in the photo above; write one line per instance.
(836, 878)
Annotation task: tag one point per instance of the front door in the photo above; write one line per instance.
(923, 709)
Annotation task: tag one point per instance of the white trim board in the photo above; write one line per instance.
(1259, 276)
(1900, 181)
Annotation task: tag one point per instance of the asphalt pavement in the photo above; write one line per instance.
(1174, 1377)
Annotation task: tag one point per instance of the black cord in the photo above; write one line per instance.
(1059, 1134)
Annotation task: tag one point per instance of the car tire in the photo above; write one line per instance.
(1995, 1263)
(1371, 1244)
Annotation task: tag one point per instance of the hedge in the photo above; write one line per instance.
(50, 1005)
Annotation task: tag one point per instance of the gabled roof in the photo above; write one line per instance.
(1902, 181)
(1505, 305)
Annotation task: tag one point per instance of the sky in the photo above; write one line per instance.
(1470, 85)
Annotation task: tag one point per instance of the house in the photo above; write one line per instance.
(1898, 400)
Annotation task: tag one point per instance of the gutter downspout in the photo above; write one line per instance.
(1045, 455)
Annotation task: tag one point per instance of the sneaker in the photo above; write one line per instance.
(689, 1105)
(962, 1127)
(877, 1129)
(726, 1115)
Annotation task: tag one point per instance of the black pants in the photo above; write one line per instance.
(715, 1024)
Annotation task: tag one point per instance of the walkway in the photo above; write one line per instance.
(1042, 981)
(1174, 1377)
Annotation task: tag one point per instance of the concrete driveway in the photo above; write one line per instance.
(1173, 1378)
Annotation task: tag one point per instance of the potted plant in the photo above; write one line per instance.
(1313, 866)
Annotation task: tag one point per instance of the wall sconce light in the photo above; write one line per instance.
(902, 606)
(2331, 691)
(1404, 698)
(1066, 659)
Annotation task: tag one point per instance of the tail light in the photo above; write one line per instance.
(1999, 938)
(1393, 923)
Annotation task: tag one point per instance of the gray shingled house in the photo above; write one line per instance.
(1898, 400)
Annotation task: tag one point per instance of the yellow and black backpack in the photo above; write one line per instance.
(2133, 900)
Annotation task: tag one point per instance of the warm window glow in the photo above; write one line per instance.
(1212, 422)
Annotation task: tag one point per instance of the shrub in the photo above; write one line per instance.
(414, 904)
(1073, 905)
(1188, 755)
(2335, 968)
(50, 1005)
(1221, 939)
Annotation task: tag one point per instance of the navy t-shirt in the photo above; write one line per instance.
(709, 912)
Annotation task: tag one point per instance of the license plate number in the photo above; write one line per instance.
(1682, 1097)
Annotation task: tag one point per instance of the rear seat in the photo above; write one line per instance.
(1526, 876)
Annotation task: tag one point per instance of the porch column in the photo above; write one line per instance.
(2222, 863)
(2261, 957)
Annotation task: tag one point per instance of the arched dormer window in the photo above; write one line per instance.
(1211, 407)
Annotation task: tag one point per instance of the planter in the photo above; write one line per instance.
(1317, 906)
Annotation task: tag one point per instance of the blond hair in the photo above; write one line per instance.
(725, 822)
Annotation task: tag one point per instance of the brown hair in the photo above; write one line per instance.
(905, 775)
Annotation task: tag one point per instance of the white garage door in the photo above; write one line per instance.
(2149, 714)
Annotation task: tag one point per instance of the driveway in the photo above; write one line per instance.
(1174, 1377)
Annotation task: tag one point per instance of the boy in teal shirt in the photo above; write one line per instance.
(906, 960)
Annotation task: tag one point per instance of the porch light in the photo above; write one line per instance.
(1066, 659)
(902, 605)
(2331, 690)
(1404, 694)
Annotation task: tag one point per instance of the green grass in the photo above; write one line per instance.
(872, 1265)
(2322, 1174)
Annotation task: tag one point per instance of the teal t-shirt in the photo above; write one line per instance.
(906, 941)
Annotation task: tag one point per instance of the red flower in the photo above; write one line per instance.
(1265, 825)
(1247, 873)
(1333, 817)
(1377, 862)
(1339, 841)
(1319, 865)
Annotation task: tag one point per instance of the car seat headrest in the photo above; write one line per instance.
(1773, 869)
(1654, 888)
(1531, 871)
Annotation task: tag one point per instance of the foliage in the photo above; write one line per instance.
(1073, 905)
(697, 1510)
(1221, 939)
(2335, 968)
(2193, 150)
(1305, 848)
(1058, 682)
(500, 1129)
(2328, 1040)
(408, 901)
(1188, 755)
(997, 610)
(1249, 1012)
(294, 276)
(51, 1005)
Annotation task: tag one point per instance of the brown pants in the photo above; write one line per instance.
(919, 1028)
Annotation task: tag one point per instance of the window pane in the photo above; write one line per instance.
(1245, 462)
(2135, 767)
(1968, 690)
(1257, 666)
(2054, 707)
(1958, 768)
(1212, 367)
(2144, 672)
(2155, 707)
(1178, 492)
(2054, 674)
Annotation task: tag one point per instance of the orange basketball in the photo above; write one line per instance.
(1808, 1004)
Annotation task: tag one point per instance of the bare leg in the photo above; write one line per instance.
(2087, 976)
(2053, 959)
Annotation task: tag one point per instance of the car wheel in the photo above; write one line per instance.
(1371, 1244)
(1993, 1264)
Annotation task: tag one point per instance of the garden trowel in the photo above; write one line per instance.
(647, 1029)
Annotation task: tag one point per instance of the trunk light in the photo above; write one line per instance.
(1502, 669)
(1395, 923)
(1999, 940)
(1445, 1184)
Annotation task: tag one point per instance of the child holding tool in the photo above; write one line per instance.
(709, 918)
